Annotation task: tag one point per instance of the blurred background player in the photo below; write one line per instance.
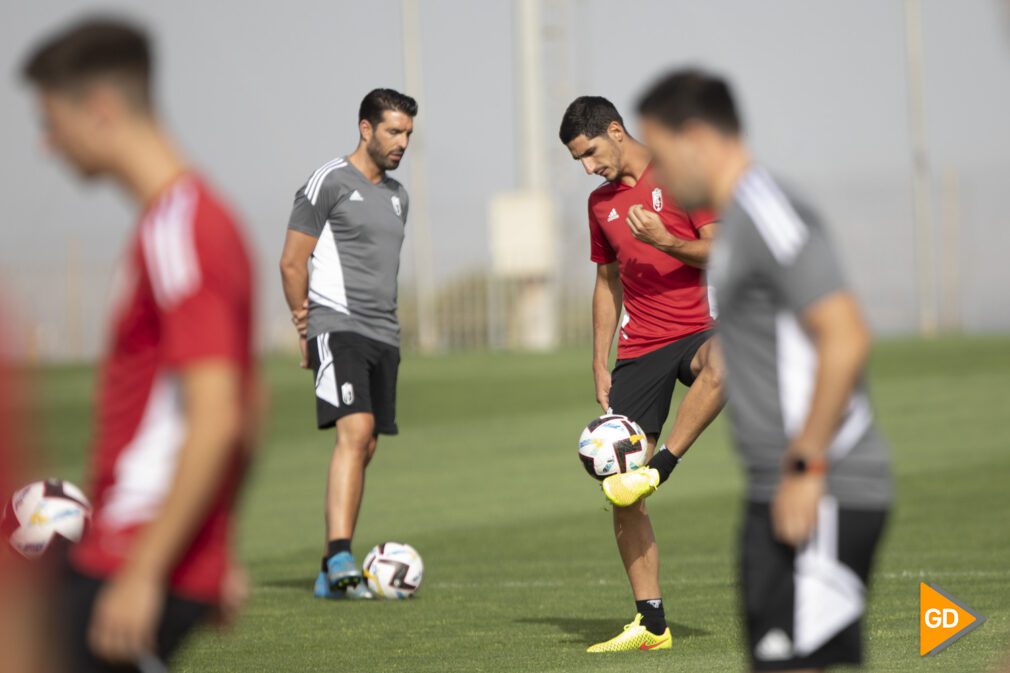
(339, 270)
(650, 255)
(176, 382)
(795, 345)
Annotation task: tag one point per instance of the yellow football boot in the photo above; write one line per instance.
(634, 637)
(627, 488)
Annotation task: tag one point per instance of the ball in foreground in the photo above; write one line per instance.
(393, 570)
(43, 511)
(611, 444)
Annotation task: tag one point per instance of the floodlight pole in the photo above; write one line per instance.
(924, 247)
(533, 156)
(423, 276)
(539, 297)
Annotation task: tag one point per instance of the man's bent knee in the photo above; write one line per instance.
(712, 375)
(370, 452)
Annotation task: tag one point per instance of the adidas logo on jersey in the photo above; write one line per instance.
(613, 215)
(356, 196)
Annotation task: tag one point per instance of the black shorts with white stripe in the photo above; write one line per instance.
(354, 374)
(803, 607)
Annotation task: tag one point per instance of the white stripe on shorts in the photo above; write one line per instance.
(829, 595)
(326, 378)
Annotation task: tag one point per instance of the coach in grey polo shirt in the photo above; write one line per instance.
(339, 273)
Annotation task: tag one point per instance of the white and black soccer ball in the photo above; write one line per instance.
(393, 570)
(43, 511)
(612, 444)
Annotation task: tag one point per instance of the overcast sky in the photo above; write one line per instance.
(260, 94)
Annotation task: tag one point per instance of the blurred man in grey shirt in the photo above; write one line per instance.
(795, 346)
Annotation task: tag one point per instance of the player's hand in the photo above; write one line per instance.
(300, 318)
(602, 379)
(794, 509)
(646, 226)
(124, 620)
(303, 347)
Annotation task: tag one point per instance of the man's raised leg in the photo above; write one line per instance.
(701, 404)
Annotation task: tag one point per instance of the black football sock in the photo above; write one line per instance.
(334, 547)
(663, 461)
(653, 616)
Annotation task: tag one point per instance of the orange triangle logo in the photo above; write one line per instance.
(942, 619)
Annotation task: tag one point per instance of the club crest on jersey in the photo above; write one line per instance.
(657, 199)
(347, 393)
(396, 205)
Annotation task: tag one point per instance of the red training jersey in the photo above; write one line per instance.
(664, 299)
(185, 296)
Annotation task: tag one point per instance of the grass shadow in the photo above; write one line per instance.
(590, 630)
(302, 583)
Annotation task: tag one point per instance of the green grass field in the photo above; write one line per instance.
(522, 571)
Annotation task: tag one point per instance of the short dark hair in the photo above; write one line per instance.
(590, 116)
(94, 48)
(686, 95)
(375, 104)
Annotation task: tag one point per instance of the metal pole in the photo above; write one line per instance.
(533, 159)
(423, 275)
(538, 302)
(951, 242)
(924, 252)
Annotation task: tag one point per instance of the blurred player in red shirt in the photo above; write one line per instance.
(650, 256)
(176, 382)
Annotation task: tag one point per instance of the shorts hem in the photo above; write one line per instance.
(804, 663)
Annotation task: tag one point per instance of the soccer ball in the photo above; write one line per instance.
(393, 570)
(611, 444)
(41, 511)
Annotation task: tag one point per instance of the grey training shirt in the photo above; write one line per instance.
(771, 260)
(353, 270)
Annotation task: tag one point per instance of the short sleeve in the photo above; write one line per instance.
(204, 326)
(600, 250)
(199, 295)
(312, 207)
(812, 273)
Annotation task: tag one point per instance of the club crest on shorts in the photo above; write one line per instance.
(347, 393)
(657, 199)
(396, 205)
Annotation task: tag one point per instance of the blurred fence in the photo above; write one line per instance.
(478, 311)
(64, 300)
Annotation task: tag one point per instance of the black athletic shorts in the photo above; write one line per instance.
(76, 600)
(802, 608)
(641, 388)
(354, 374)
